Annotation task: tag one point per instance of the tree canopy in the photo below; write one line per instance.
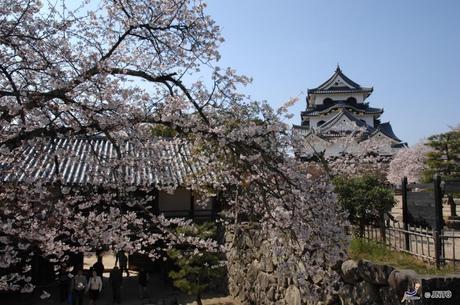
(119, 69)
(408, 162)
(365, 198)
(444, 157)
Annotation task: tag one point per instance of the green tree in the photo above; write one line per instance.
(365, 198)
(196, 271)
(444, 159)
(163, 131)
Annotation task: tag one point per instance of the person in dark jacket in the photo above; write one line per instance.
(143, 278)
(99, 267)
(122, 260)
(64, 284)
(116, 279)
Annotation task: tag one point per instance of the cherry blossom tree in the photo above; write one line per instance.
(408, 162)
(127, 71)
(352, 159)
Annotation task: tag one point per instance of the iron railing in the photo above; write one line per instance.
(419, 241)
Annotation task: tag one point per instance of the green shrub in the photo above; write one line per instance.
(196, 270)
(365, 198)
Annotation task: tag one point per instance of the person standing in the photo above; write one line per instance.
(99, 266)
(94, 287)
(116, 279)
(64, 284)
(143, 278)
(78, 288)
(123, 261)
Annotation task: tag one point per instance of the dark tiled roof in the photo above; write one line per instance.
(354, 87)
(338, 90)
(321, 109)
(386, 129)
(399, 145)
(94, 161)
(300, 127)
(339, 115)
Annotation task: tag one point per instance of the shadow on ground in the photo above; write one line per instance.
(159, 293)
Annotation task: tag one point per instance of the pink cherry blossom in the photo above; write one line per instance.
(131, 72)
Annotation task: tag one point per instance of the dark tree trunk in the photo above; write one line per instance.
(382, 227)
(198, 299)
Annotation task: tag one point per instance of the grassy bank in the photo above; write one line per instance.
(375, 252)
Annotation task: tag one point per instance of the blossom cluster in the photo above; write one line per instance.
(408, 162)
(129, 71)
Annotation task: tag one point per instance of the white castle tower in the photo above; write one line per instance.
(338, 120)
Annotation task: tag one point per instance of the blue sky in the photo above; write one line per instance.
(409, 51)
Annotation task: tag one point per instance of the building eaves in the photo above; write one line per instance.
(387, 130)
(96, 161)
(322, 109)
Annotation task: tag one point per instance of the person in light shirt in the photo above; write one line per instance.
(78, 288)
(94, 287)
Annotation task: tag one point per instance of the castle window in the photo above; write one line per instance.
(328, 101)
(351, 100)
(306, 123)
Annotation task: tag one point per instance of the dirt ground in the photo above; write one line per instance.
(218, 301)
(159, 291)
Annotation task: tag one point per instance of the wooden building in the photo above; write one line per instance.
(97, 162)
(143, 169)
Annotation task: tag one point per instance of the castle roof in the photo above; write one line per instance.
(326, 130)
(387, 130)
(340, 114)
(339, 83)
(325, 108)
(337, 109)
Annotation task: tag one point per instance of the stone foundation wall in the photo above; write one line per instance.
(369, 283)
(252, 267)
(253, 280)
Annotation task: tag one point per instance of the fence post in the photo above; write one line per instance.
(382, 229)
(405, 213)
(438, 219)
(437, 250)
(453, 208)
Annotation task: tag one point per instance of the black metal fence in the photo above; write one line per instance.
(419, 241)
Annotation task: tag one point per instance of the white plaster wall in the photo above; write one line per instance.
(344, 123)
(334, 149)
(331, 149)
(313, 144)
(317, 99)
(314, 120)
(369, 118)
(380, 144)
